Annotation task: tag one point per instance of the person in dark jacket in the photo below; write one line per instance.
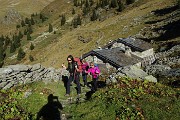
(74, 75)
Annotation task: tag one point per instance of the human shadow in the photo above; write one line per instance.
(50, 111)
(100, 84)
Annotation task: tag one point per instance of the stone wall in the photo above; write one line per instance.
(14, 75)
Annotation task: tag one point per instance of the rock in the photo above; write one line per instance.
(36, 67)
(18, 68)
(150, 78)
(5, 71)
(133, 72)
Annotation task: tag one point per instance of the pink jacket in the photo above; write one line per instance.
(94, 72)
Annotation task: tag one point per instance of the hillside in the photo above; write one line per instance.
(16, 10)
(136, 20)
(28, 88)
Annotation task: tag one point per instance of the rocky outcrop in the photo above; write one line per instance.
(14, 75)
(131, 72)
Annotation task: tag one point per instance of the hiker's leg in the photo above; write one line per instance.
(94, 85)
(85, 79)
(69, 84)
(78, 84)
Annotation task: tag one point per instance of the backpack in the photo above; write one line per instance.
(79, 64)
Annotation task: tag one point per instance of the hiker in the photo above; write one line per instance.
(94, 71)
(85, 67)
(74, 75)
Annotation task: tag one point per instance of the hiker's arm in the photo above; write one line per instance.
(76, 67)
(97, 71)
(63, 66)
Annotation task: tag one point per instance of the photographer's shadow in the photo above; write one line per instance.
(50, 111)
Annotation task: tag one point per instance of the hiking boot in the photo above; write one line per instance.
(66, 95)
(79, 95)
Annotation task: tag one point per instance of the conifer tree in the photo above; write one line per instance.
(106, 2)
(129, 1)
(23, 23)
(78, 20)
(87, 4)
(25, 31)
(30, 30)
(7, 41)
(2, 41)
(31, 47)
(1, 57)
(28, 36)
(2, 38)
(102, 4)
(63, 20)
(75, 3)
(74, 23)
(18, 26)
(26, 20)
(120, 6)
(32, 21)
(50, 28)
(178, 3)
(85, 11)
(21, 54)
(94, 16)
(91, 2)
(12, 48)
(98, 4)
(31, 58)
(40, 16)
(113, 3)
(17, 41)
(20, 35)
(73, 11)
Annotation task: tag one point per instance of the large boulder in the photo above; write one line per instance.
(136, 73)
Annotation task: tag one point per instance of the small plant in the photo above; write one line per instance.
(31, 58)
(31, 47)
(21, 54)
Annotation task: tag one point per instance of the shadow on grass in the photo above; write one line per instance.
(100, 84)
(171, 29)
(164, 11)
(50, 111)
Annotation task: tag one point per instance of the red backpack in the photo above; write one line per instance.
(78, 61)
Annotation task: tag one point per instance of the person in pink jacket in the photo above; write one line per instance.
(94, 71)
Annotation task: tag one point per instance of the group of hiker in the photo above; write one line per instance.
(77, 68)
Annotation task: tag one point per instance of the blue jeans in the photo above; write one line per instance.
(84, 76)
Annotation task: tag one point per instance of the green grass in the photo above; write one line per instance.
(130, 99)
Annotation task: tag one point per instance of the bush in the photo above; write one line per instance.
(31, 58)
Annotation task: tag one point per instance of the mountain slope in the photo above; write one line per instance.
(54, 48)
(127, 23)
(22, 8)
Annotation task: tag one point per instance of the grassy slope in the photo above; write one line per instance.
(67, 42)
(129, 99)
(24, 7)
(53, 50)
